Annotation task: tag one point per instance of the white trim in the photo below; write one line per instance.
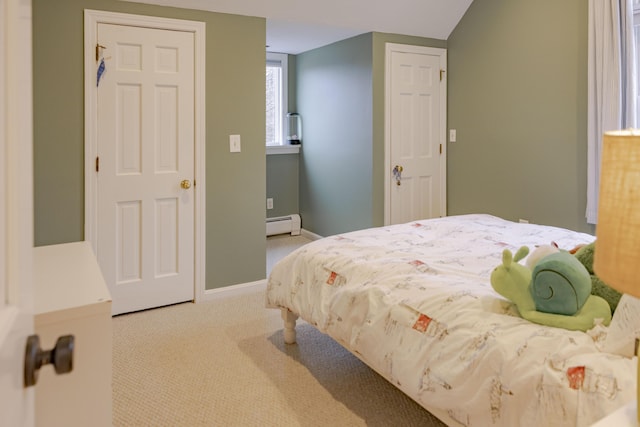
(283, 59)
(91, 20)
(442, 53)
(244, 288)
(309, 235)
(16, 209)
(5, 59)
(232, 291)
(17, 147)
(282, 149)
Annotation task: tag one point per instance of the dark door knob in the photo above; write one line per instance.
(61, 357)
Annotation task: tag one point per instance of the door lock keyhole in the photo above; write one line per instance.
(397, 174)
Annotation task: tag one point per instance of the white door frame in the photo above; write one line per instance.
(442, 53)
(91, 20)
(17, 299)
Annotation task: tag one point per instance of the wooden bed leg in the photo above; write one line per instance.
(289, 331)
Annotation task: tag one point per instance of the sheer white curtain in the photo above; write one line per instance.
(612, 83)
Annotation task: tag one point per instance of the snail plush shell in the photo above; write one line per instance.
(560, 284)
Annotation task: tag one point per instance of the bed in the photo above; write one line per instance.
(415, 303)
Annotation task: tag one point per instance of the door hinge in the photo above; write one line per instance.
(440, 148)
(441, 73)
(98, 47)
(97, 164)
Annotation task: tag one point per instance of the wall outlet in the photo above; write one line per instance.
(269, 203)
(523, 221)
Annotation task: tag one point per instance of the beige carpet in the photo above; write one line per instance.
(224, 363)
(280, 245)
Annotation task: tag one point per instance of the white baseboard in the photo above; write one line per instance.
(232, 291)
(309, 235)
(244, 288)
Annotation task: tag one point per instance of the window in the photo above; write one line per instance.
(612, 82)
(276, 95)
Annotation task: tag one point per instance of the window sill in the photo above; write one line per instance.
(283, 149)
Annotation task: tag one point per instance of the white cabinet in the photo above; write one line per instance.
(71, 298)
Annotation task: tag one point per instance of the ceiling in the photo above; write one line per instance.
(295, 26)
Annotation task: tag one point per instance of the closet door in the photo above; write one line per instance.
(416, 108)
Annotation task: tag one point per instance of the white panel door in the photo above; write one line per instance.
(146, 166)
(415, 185)
(16, 211)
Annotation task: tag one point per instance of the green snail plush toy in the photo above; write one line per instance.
(556, 293)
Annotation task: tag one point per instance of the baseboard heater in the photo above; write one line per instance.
(284, 225)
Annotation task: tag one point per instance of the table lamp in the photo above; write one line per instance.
(617, 249)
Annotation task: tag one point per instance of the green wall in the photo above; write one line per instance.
(282, 169)
(334, 97)
(341, 95)
(235, 220)
(282, 184)
(517, 95)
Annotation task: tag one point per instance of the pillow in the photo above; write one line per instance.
(624, 327)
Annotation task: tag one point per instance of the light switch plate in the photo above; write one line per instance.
(234, 143)
(452, 135)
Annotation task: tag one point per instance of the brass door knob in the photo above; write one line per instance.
(186, 184)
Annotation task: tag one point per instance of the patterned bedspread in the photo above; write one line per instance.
(415, 303)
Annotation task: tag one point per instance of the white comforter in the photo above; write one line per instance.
(415, 303)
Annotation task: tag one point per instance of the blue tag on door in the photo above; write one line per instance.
(101, 69)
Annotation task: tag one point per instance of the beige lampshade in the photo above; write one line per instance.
(617, 250)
